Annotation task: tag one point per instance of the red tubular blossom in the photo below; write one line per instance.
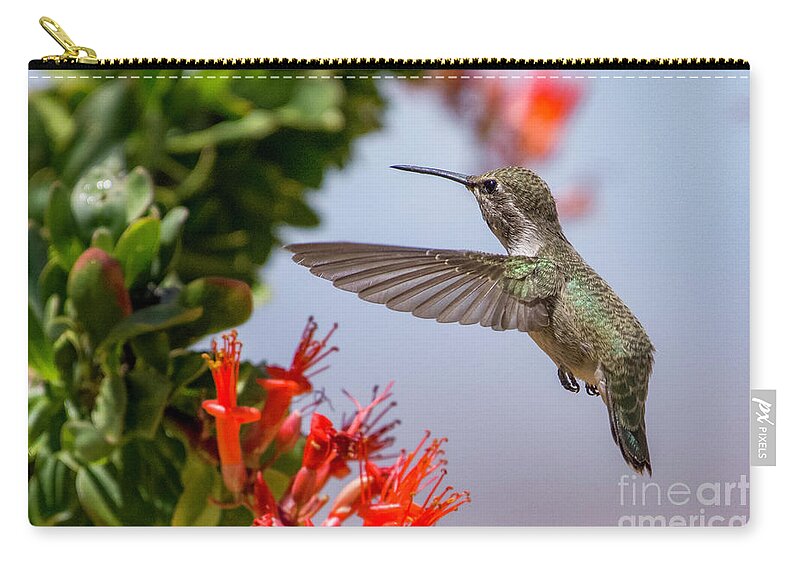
(319, 443)
(284, 384)
(395, 504)
(362, 437)
(266, 510)
(314, 470)
(224, 366)
(357, 493)
(289, 433)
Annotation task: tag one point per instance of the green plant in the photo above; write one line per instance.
(128, 269)
(240, 154)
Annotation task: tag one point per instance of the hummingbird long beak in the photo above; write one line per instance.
(455, 176)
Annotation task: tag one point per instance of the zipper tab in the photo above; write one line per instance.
(72, 52)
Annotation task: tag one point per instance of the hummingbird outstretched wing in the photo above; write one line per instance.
(467, 287)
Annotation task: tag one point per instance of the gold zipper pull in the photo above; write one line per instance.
(72, 52)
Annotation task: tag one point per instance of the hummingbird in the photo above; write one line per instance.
(542, 287)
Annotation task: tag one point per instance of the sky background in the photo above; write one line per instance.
(668, 159)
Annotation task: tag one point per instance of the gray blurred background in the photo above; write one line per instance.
(668, 229)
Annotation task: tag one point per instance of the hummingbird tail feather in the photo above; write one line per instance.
(626, 416)
(632, 443)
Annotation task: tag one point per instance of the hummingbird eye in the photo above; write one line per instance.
(489, 186)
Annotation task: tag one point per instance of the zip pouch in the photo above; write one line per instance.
(213, 247)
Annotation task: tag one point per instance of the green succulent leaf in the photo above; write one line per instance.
(39, 186)
(187, 368)
(108, 415)
(151, 319)
(137, 248)
(101, 118)
(37, 260)
(51, 493)
(172, 224)
(153, 348)
(201, 481)
(139, 193)
(99, 199)
(61, 225)
(100, 495)
(52, 281)
(102, 239)
(226, 303)
(40, 349)
(85, 441)
(148, 392)
(56, 118)
(96, 287)
(171, 230)
(41, 411)
(66, 357)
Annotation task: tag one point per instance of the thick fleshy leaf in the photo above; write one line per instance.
(66, 358)
(187, 368)
(56, 119)
(51, 493)
(149, 476)
(40, 349)
(139, 193)
(200, 482)
(137, 248)
(172, 224)
(85, 441)
(226, 303)
(39, 186)
(100, 495)
(102, 118)
(153, 348)
(37, 260)
(52, 281)
(108, 414)
(99, 201)
(41, 411)
(96, 287)
(171, 230)
(102, 239)
(148, 392)
(151, 319)
(63, 229)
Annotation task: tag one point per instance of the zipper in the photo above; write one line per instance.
(79, 57)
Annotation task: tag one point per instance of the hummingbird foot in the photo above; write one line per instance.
(591, 390)
(568, 381)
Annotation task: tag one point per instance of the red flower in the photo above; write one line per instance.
(284, 384)
(224, 365)
(360, 437)
(289, 433)
(547, 106)
(314, 468)
(265, 509)
(358, 492)
(395, 505)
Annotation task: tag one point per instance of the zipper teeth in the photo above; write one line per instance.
(393, 63)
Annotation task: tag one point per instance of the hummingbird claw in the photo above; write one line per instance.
(568, 381)
(591, 390)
